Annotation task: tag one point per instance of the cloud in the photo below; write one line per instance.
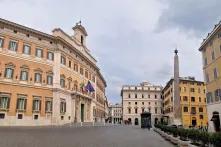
(133, 41)
(190, 15)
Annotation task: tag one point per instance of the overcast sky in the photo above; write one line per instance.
(133, 40)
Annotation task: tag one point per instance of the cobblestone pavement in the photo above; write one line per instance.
(105, 136)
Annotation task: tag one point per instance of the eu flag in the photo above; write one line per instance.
(89, 87)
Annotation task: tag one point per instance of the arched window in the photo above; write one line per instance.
(62, 81)
(38, 75)
(9, 70)
(24, 73)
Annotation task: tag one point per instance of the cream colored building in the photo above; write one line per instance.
(115, 113)
(144, 97)
(211, 55)
(43, 77)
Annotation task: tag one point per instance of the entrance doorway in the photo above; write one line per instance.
(193, 121)
(156, 121)
(82, 112)
(216, 121)
(129, 121)
(136, 121)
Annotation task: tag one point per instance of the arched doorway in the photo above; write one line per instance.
(194, 123)
(156, 121)
(136, 121)
(216, 121)
(129, 120)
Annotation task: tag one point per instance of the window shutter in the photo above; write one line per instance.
(60, 107)
(33, 102)
(51, 105)
(8, 104)
(39, 105)
(17, 103)
(46, 106)
(16, 46)
(12, 73)
(25, 104)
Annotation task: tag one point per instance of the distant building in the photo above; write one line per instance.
(211, 55)
(144, 97)
(115, 113)
(192, 103)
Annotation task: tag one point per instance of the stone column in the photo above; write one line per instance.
(176, 91)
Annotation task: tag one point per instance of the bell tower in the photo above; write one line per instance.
(80, 33)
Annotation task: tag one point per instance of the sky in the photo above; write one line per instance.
(132, 40)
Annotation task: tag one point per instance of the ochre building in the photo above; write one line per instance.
(48, 79)
(192, 102)
(211, 55)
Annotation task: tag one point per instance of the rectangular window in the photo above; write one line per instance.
(9, 73)
(213, 55)
(39, 53)
(21, 102)
(48, 106)
(192, 99)
(200, 109)
(36, 107)
(185, 98)
(2, 115)
(209, 97)
(136, 110)
(24, 76)
(26, 49)
(62, 82)
(13, 46)
(129, 111)
(217, 94)
(215, 73)
(193, 110)
(1, 42)
(155, 110)
(185, 109)
(76, 67)
(69, 64)
(207, 78)
(49, 79)
(201, 116)
(38, 77)
(205, 61)
(50, 56)
(192, 90)
(199, 99)
(4, 101)
(63, 60)
(81, 71)
(63, 106)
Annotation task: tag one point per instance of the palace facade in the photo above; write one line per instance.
(211, 55)
(137, 99)
(115, 114)
(48, 79)
(192, 102)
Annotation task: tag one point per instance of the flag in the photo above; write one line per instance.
(89, 87)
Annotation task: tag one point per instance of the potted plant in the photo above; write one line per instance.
(215, 139)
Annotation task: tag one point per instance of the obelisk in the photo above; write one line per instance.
(176, 91)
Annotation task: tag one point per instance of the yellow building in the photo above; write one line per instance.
(44, 78)
(211, 54)
(192, 102)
